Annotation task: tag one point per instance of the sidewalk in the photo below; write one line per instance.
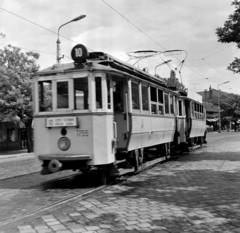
(15, 154)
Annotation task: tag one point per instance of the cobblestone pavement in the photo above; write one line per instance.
(198, 192)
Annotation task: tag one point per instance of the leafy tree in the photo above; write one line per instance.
(173, 81)
(231, 109)
(230, 32)
(16, 69)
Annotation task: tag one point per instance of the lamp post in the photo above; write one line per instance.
(161, 64)
(58, 41)
(219, 116)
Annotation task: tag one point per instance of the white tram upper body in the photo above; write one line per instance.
(99, 110)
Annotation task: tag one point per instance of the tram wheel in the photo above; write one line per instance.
(103, 176)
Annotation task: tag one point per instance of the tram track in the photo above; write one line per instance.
(83, 191)
(19, 217)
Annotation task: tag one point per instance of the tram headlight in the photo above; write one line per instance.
(64, 143)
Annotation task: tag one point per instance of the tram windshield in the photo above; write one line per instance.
(45, 95)
(62, 94)
(81, 93)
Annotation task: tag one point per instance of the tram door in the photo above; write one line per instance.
(119, 108)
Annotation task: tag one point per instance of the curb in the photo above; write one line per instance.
(15, 156)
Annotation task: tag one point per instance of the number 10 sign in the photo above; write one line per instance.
(79, 53)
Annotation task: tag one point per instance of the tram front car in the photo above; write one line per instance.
(73, 115)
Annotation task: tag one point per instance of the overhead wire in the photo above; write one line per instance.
(33, 50)
(40, 26)
(199, 59)
(160, 44)
(121, 16)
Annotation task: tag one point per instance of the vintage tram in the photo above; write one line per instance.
(100, 112)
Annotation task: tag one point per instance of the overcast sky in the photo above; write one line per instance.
(120, 26)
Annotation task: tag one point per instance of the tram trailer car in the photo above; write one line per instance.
(101, 112)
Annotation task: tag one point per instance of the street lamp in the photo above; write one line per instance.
(58, 41)
(161, 64)
(219, 116)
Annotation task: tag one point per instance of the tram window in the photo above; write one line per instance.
(153, 108)
(62, 94)
(166, 101)
(117, 96)
(171, 104)
(180, 108)
(98, 83)
(160, 110)
(153, 94)
(135, 96)
(80, 93)
(108, 94)
(145, 98)
(45, 95)
(160, 96)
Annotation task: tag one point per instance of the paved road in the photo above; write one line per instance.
(198, 192)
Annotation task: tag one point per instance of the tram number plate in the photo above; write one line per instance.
(61, 121)
(82, 133)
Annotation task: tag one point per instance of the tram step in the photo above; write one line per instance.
(123, 164)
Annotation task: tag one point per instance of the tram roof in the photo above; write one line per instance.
(99, 61)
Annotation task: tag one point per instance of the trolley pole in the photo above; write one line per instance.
(219, 114)
(58, 41)
(165, 62)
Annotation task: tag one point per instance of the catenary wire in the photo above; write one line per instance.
(158, 43)
(121, 16)
(40, 26)
(33, 50)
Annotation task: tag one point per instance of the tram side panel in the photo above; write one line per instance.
(198, 128)
(150, 131)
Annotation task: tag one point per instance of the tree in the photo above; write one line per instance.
(173, 81)
(16, 69)
(231, 109)
(230, 32)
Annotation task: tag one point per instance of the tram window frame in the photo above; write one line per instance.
(195, 113)
(144, 97)
(180, 108)
(109, 104)
(171, 99)
(166, 103)
(153, 99)
(98, 93)
(58, 95)
(193, 104)
(135, 97)
(85, 103)
(45, 105)
(160, 102)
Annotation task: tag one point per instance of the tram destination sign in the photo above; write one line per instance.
(61, 121)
